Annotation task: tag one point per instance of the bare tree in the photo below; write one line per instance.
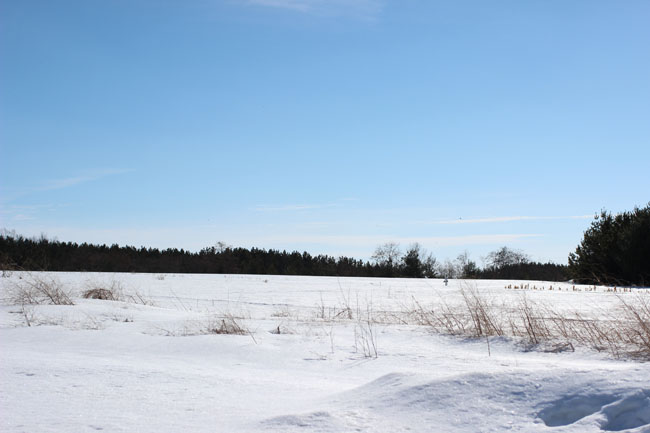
(222, 246)
(387, 255)
(448, 269)
(466, 268)
(504, 256)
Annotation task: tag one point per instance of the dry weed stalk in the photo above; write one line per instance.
(227, 324)
(365, 335)
(621, 332)
(484, 315)
(36, 289)
(637, 333)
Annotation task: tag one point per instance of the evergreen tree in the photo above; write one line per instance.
(416, 263)
(614, 250)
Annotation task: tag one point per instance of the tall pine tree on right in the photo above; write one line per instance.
(615, 250)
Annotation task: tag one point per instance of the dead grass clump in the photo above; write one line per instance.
(105, 292)
(529, 321)
(601, 334)
(444, 318)
(34, 289)
(114, 291)
(227, 324)
(637, 332)
(623, 332)
(485, 317)
(365, 334)
(99, 293)
(284, 311)
(282, 329)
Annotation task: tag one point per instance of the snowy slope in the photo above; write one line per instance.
(126, 367)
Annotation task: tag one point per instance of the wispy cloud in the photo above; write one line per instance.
(23, 217)
(83, 178)
(10, 194)
(21, 213)
(298, 5)
(508, 219)
(293, 207)
(440, 241)
(361, 8)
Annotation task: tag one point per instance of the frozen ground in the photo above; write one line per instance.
(126, 367)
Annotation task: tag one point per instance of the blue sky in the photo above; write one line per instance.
(326, 126)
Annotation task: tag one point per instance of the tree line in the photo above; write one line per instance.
(17, 252)
(615, 250)
(22, 253)
(504, 263)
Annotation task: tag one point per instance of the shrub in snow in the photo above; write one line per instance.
(113, 292)
(36, 289)
(226, 325)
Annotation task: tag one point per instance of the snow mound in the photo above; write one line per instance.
(316, 421)
(630, 412)
(571, 409)
(496, 402)
(613, 412)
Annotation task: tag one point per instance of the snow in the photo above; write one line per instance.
(127, 367)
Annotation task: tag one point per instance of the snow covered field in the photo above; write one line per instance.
(315, 354)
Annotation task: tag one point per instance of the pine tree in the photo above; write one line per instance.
(614, 250)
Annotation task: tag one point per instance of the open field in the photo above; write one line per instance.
(248, 353)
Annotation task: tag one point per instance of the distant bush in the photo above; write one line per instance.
(614, 250)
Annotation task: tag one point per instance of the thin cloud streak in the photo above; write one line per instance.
(444, 241)
(194, 238)
(294, 207)
(297, 5)
(72, 181)
(362, 8)
(20, 213)
(11, 194)
(508, 219)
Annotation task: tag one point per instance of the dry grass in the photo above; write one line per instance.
(284, 311)
(33, 289)
(223, 324)
(227, 324)
(114, 291)
(623, 332)
(100, 293)
(637, 333)
(365, 334)
(484, 314)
